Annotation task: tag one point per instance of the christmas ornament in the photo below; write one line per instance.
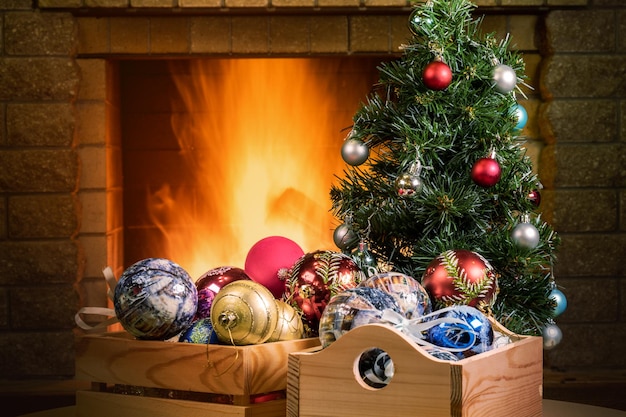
(472, 333)
(364, 259)
(525, 235)
(155, 299)
(354, 151)
(211, 282)
(442, 354)
(535, 197)
(560, 302)
(289, 326)
(201, 331)
(409, 183)
(244, 313)
(521, 116)
(505, 78)
(437, 75)
(460, 277)
(344, 237)
(268, 261)
(486, 172)
(314, 279)
(417, 21)
(376, 368)
(352, 308)
(552, 336)
(410, 295)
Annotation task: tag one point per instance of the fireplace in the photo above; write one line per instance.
(68, 84)
(218, 153)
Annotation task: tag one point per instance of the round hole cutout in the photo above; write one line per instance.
(375, 368)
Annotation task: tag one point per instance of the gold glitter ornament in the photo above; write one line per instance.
(244, 313)
(290, 325)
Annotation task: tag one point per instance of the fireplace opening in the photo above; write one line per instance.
(218, 153)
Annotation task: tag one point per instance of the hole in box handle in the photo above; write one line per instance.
(374, 369)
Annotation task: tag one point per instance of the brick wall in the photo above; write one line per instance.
(56, 234)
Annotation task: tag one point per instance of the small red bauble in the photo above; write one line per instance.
(486, 172)
(535, 197)
(460, 277)
(437, 75)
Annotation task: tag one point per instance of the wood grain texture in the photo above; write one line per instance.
(99, 404)
(503, 382)
(117, 358)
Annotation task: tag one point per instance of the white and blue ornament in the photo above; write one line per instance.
(352, 308)
(469, 334)
(411, 296)
(201, 332)
(155, 299)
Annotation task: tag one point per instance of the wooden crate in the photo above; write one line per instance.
(506, 381)
(165, 379)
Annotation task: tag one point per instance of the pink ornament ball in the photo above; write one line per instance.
(269, 259)
(486, 172)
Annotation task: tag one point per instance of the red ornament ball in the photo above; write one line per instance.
(268, 261)
(535, 197)
(314, 279)
(486, 172)
(461, 277)
(437, 75)
(211, 282)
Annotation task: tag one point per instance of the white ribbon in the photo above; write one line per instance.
(100, 311)
(415, 328)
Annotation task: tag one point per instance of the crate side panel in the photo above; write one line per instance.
(328, 384)
(236, 370)
(266, 364)
(99, 404)
(506, 381)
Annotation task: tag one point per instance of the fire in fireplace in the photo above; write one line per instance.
(218, 153)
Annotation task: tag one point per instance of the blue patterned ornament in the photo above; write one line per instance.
(472, 335)
(376, 368)
(411, 296)
(201, 332)
(155, 299)
(352, 308)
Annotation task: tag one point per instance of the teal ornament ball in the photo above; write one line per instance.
(559, 300)
(155, 299)
(521, 116)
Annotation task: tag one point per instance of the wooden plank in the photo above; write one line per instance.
(238, 370)
(99, 404)
(504, 379)
(328, 383)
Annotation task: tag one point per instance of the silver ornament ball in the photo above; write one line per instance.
(505, 78)
(552, 336)
(526, 235)
(354, 152)
(408, 185)
(344, 237)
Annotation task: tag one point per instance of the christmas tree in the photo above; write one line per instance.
(437, 168)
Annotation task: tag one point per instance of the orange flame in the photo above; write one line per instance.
(259, 146)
